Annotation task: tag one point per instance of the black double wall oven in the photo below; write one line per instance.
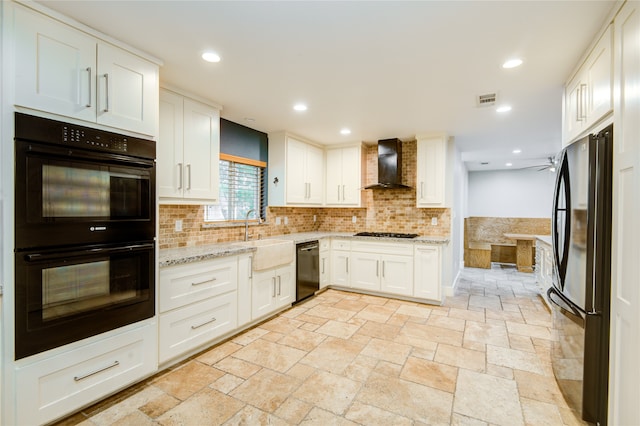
(85, 221)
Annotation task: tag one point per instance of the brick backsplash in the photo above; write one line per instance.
(391, 210)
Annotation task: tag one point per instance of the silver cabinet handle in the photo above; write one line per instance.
(347, 265)
(250, 266)
(189, 176)
(422, 190)
(210, 280)
(99, 370)
(273, 282)
(338, 192)
(377, 267)
(193, 327)
(180, 175)
(383, 269)
(343, 193)
(279, 285)
(578, 101)
(106, 87)
(90, 84)
(323, 259)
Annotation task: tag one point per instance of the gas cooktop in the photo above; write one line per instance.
(385, 235)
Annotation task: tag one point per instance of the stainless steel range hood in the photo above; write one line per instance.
(389, 165)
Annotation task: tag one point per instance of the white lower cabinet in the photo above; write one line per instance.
(196, 324)
(272, 289)
(49, 389)
(375, 268)
(427, 272)
(339, 269)
(198, 303)
(245, 280)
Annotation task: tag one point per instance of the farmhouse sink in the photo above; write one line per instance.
(270, 253)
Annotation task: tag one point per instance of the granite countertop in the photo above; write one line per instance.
(544, 238)
(182, 255)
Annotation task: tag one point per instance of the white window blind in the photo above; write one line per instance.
(242, 188)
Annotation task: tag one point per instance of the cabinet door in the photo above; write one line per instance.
(599, 79)
(340, 268)
(55, 66)
(127, 91)
(315, 175)
(285, 286)
(397, 275)
(263, 294)
(170, 164)
(201, 168)
(573, 108)
(351, 176)
(427, 272)
(297, 185)
(431, 172)
(366, 271)
(334, 188)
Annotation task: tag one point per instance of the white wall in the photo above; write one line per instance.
(511, 193)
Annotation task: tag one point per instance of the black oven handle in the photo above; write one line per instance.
(42, 149)
(37, 257)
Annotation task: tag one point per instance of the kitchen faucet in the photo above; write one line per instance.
(246, 224)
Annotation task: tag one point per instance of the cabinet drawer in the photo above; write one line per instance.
(59, 385)
(187, 328)
(325, 244)
(184, 284)
(340, 245)
(382, 248)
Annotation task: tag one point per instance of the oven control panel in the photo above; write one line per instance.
(94, 139)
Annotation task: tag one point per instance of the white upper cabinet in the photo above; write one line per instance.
(296, 171)
(65, 71)
(588, 96)
(344, 176)
(431, 170)
(188, 150)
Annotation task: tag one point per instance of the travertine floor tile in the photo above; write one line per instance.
(188, 379)
(333, 355)
(460, 357)
(511, 358)
(302, 339)
(293, 410)
(338, 329)
(429, 373)
(271, 355)
(488, 398)
(252, 416)
(266, 390)
(314, 391)
(370, 415)
(205, 407)
(387, 351)
(540, 413)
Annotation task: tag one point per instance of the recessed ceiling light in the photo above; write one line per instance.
(300, 107)
(345, 132)
(512, 63)
(517, 151)
(211, 57)
(508, 164)
(505, 108)
(484, 163)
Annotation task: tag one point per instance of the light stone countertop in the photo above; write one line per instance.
(545, 239)
(182, 255)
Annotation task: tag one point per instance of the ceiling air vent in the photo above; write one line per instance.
(486, 100)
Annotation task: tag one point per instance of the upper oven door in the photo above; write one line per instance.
(67, 196)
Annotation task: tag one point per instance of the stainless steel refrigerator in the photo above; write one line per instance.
(580, 294)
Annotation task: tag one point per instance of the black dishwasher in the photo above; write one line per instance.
(307, 269)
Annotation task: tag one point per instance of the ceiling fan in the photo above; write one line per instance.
(551, 165)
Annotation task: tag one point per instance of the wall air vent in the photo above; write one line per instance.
(486, 99)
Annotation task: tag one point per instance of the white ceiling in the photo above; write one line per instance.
(382, 69)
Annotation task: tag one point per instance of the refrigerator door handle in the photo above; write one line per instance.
(572, 307)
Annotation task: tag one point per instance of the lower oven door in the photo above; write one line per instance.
(62, 296)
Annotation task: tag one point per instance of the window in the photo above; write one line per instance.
(242, 188)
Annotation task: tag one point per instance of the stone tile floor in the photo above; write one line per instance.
(350, 359)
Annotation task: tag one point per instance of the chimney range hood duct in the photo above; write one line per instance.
(389, 165)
